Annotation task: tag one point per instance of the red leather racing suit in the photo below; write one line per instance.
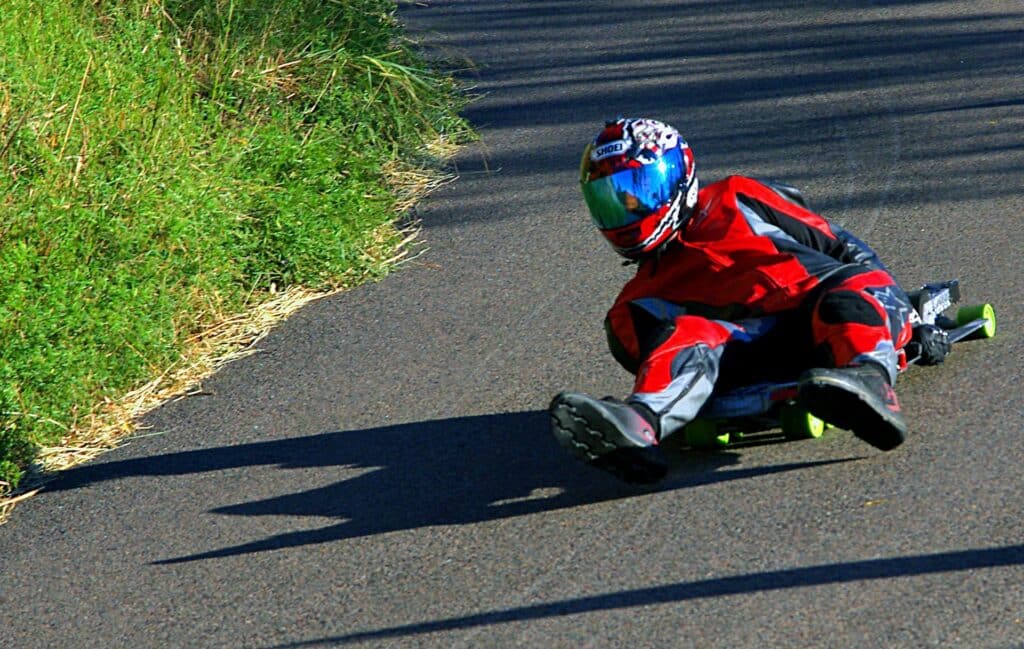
(756, 286)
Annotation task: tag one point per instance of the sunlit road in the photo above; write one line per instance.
(382, 474)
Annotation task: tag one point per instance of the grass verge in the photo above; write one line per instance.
(173, 172)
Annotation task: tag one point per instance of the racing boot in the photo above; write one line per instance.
(608, 434)
(858, 399)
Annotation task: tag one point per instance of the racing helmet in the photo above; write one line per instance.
(640, 184)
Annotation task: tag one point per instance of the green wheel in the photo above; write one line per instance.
(968, 313)
(703, 433)
(797, 423)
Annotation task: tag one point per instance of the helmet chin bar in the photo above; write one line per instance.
(675, 218)
(670, 221)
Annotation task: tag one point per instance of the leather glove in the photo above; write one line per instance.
(931, 343)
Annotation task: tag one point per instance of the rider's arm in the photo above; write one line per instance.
(856, 251)
(784, 207)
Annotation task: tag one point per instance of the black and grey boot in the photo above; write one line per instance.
(858, 399)
(608, 434)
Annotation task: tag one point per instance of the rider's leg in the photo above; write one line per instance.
(677, 377)
(671, 386)
(859, 325)
(859, 319)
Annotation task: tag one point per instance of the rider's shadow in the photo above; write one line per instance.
(445, 472)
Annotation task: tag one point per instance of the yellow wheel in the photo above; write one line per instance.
(703, 433)
(797, 423)
(985, 311)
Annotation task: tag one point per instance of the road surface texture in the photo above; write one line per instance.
(382, 474)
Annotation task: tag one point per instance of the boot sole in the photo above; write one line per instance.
(585, 431)
(844, 406)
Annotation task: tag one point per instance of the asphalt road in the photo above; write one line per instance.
(382, 474)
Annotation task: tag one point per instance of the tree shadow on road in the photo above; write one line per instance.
(837, 573)
(445, 472)
(740, 93)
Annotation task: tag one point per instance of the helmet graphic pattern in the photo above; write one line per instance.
(631, 144)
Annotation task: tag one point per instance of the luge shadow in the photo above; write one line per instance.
(454, 471)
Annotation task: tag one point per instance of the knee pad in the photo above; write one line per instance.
(842, 307)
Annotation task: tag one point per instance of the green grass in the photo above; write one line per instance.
(166, 162)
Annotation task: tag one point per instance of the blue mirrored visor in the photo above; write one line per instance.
(627, 196)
